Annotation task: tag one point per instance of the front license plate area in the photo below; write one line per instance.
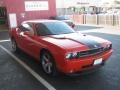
(98, 61)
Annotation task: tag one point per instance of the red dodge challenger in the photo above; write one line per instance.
(58, 47)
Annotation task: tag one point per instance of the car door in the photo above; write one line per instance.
(25, 37)
(31, 41)
(36, 43)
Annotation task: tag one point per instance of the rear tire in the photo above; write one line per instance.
(48, 64)
(14, 46)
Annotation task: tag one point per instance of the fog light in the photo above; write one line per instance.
(71, 71)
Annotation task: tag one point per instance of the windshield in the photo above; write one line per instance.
(53, 28)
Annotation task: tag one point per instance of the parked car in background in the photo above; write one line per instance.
(58, 47)
(64, 18)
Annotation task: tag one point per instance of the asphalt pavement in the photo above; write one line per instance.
(13, 76)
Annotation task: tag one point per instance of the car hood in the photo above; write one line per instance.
(75, 40)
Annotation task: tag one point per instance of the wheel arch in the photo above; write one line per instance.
(55, 73)
(48, 51)
(45, 50)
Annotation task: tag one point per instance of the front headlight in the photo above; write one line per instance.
(68, 55)
(109, 46)
(71, 55)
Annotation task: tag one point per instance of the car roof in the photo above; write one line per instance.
(40, 21)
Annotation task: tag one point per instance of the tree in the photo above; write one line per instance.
(117, 2)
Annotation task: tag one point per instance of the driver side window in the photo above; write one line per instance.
(42, 30)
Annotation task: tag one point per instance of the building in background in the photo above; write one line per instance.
(111, 7)
(77, 6)
(3, 16)
(85, 6)
(21, 10)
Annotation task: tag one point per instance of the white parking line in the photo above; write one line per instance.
(5, 40)
(37, 76)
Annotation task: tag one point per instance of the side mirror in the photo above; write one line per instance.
(29, 33)
(17, 29)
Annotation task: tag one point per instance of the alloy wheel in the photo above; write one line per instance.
(47, 64)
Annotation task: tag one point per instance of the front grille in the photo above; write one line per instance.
(93, 51)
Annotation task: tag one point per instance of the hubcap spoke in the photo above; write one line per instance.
(46, 63)
(49, 67)
(45, 58)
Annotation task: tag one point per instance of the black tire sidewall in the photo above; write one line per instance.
(54, 69)
(14, 50)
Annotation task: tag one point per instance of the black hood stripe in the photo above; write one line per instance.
(92, 44)
(84, 40)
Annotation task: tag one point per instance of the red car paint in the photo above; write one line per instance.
(58, 46)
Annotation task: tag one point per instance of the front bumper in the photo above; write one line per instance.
(87, 71)
(82, 64)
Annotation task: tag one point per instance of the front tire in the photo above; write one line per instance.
(48, 64)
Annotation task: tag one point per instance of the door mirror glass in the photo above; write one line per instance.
(29, 33)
